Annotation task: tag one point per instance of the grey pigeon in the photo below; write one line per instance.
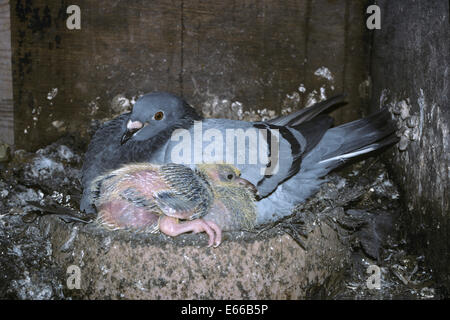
(293, 152)
(142, 136)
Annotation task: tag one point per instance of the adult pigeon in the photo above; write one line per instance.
(174, 199)
(142, 135)
(285, 158)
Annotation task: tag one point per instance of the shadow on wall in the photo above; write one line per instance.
(410, 72)
(225, 59)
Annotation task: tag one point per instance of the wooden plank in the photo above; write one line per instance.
(214, 53)
(6, 102)
(242, 51)
(123, 47)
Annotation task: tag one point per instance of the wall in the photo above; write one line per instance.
(410, 71)
(222, 56)
(6, 93)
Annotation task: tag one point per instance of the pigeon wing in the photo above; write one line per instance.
(306, 114)
(189, 197)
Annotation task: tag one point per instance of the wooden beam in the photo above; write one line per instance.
(6, 102)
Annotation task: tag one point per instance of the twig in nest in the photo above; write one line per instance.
(292, 232)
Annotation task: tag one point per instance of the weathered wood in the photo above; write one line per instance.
(245, 51)
(214, 53)
(410, 68)
(6, 104)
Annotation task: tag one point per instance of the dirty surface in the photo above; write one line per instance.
(410, 72)
(256, 55)
(359, 206)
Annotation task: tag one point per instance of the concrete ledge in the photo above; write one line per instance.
(271, 265)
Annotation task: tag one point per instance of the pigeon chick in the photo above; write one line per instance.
(174, 199)
(234, 198)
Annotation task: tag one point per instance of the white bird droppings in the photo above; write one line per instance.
(324, 72)
(52, 93)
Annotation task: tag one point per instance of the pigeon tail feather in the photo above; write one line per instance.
(308, 113)
(338, 146)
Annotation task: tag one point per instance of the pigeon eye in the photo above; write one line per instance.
(159, 115)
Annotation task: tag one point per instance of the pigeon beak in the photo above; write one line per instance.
(127, 135)
(132, 128)
(248, 185)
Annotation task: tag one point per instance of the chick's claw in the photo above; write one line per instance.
(217, 230)
(173, 228)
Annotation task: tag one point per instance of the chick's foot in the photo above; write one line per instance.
(173, 228)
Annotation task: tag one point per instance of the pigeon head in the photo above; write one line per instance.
(157, 112)
(234, 197)
(225, 175)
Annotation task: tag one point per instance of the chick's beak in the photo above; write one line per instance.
(247, 184)
(132, 128)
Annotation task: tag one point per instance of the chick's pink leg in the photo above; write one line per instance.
(217, 230)
(173, 228)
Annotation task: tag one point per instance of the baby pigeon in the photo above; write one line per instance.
(174, 199)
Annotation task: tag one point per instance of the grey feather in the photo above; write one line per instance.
(338, 145)
(254, 169)
(306, 114)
